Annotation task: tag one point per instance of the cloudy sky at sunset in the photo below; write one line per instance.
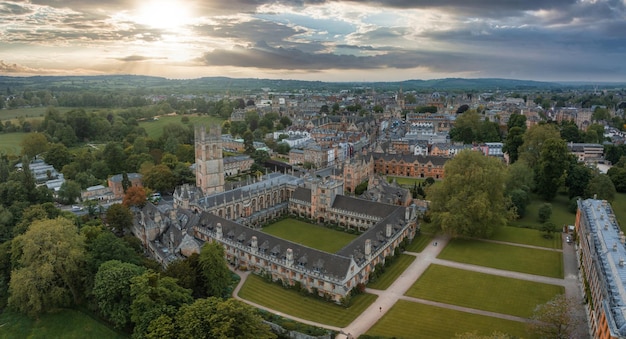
(328, 40)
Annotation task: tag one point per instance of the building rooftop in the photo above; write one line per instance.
(609, 242)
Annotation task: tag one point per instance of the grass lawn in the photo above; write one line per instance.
(392, 272)
(315, 236)
(10, 143)
(619, 208)
(482, 291)
(291, 302)
(63, 324)
(154, 128)
(31, 113)
(527, 236)
(408, 182)
(560, 215)
(420, 242)
(505, 257)
(413, 320)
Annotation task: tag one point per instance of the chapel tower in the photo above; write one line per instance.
(209, 161)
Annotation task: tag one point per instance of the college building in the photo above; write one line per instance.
(602, 254)
(206, 213)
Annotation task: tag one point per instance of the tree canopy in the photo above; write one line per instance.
(471, 200)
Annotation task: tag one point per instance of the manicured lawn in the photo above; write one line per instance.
(482, 291)
(291, 302)
(319, 237)
(560, 215)
(392, 272)
(410, 182)
(63, 324)
(414, 320)
(527, 236)
(420, 242)
(619, 208)
(154, 128)
(505, 257)
(10, 143)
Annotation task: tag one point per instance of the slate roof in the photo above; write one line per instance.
(410, 158)
(302, 194)
(363, 206)
(327, 263)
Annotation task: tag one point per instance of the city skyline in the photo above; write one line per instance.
(386, 40)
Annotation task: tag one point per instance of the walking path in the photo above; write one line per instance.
(387, 298)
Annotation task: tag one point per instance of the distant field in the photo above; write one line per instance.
(68, 324)
(527, 236)
(505, 257)
(414, 320)
(319, 237)
(10, 143)
(154, 128)
(482, 291)
(29, 113)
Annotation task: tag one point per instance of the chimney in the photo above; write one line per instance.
(289, 257)
(218, 231)
(615, 247)
(388, 231)
(254, 243)
(368, 248)
(621, 262)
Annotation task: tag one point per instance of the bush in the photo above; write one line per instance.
(545, 212)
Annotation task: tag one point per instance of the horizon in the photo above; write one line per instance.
(317, 40)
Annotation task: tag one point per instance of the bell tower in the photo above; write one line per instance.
(209, 161)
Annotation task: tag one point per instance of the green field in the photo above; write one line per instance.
(482, 291)
(10, 143)
(560, 215)
(292, 302)
(420, 242)
(31, 113)
(392, 272)
(63, 324)
(414, 320)
(318, 237)
(527, 236)
(154, 128)
(505, 257)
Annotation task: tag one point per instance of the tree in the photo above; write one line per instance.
(126, 183)
(555, 319)
(162, 327)
(548, 228)
(160, 178)
(34, 144)
(520, 176)
(545, 212)
(466, 127)
(187, 274)
(112, 290)
(213, 318)
(471, 201)
(69, 192)
(514, 139)
(516, 120)
(618, 177)
(248, 142)
(58, 156)
(134, 197)
(49, 258)
(213, 266)
(554, 159)
(520, 200)
(602, 187)
(154, 295)
(577, 179)
(119, 218)
(533, 142)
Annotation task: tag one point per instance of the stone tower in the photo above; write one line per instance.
(209, 161)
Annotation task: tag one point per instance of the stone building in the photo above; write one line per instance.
(409, 165)
(209, 162)
(233, 218)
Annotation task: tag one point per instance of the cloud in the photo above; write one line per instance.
(16, 68)
(134, 58)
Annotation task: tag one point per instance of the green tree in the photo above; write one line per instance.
(213, 266)
(520, 200)
(512, 143)
(187, 274)
(554, 159)
(119, 218)
(248, 142)
(466, 127)
(520, 176)
(34, 144)
(58, 156)
(213, 318)
(162, 327)
(126, 183)
(154, 295)
(570, 132)
(602, 187)
(516, 120)
(534, 138)
(69, 192)
(112, 290)
(47, 273)
(577, 179)
(471, 201)
(549, 228)
(160, 178)
(545, 212)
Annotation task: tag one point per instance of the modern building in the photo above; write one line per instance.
(602, 254)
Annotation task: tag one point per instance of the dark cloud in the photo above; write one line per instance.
(7, 8)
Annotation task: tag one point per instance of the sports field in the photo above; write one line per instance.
(318, 237)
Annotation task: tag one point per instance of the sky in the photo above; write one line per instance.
(326, 40)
